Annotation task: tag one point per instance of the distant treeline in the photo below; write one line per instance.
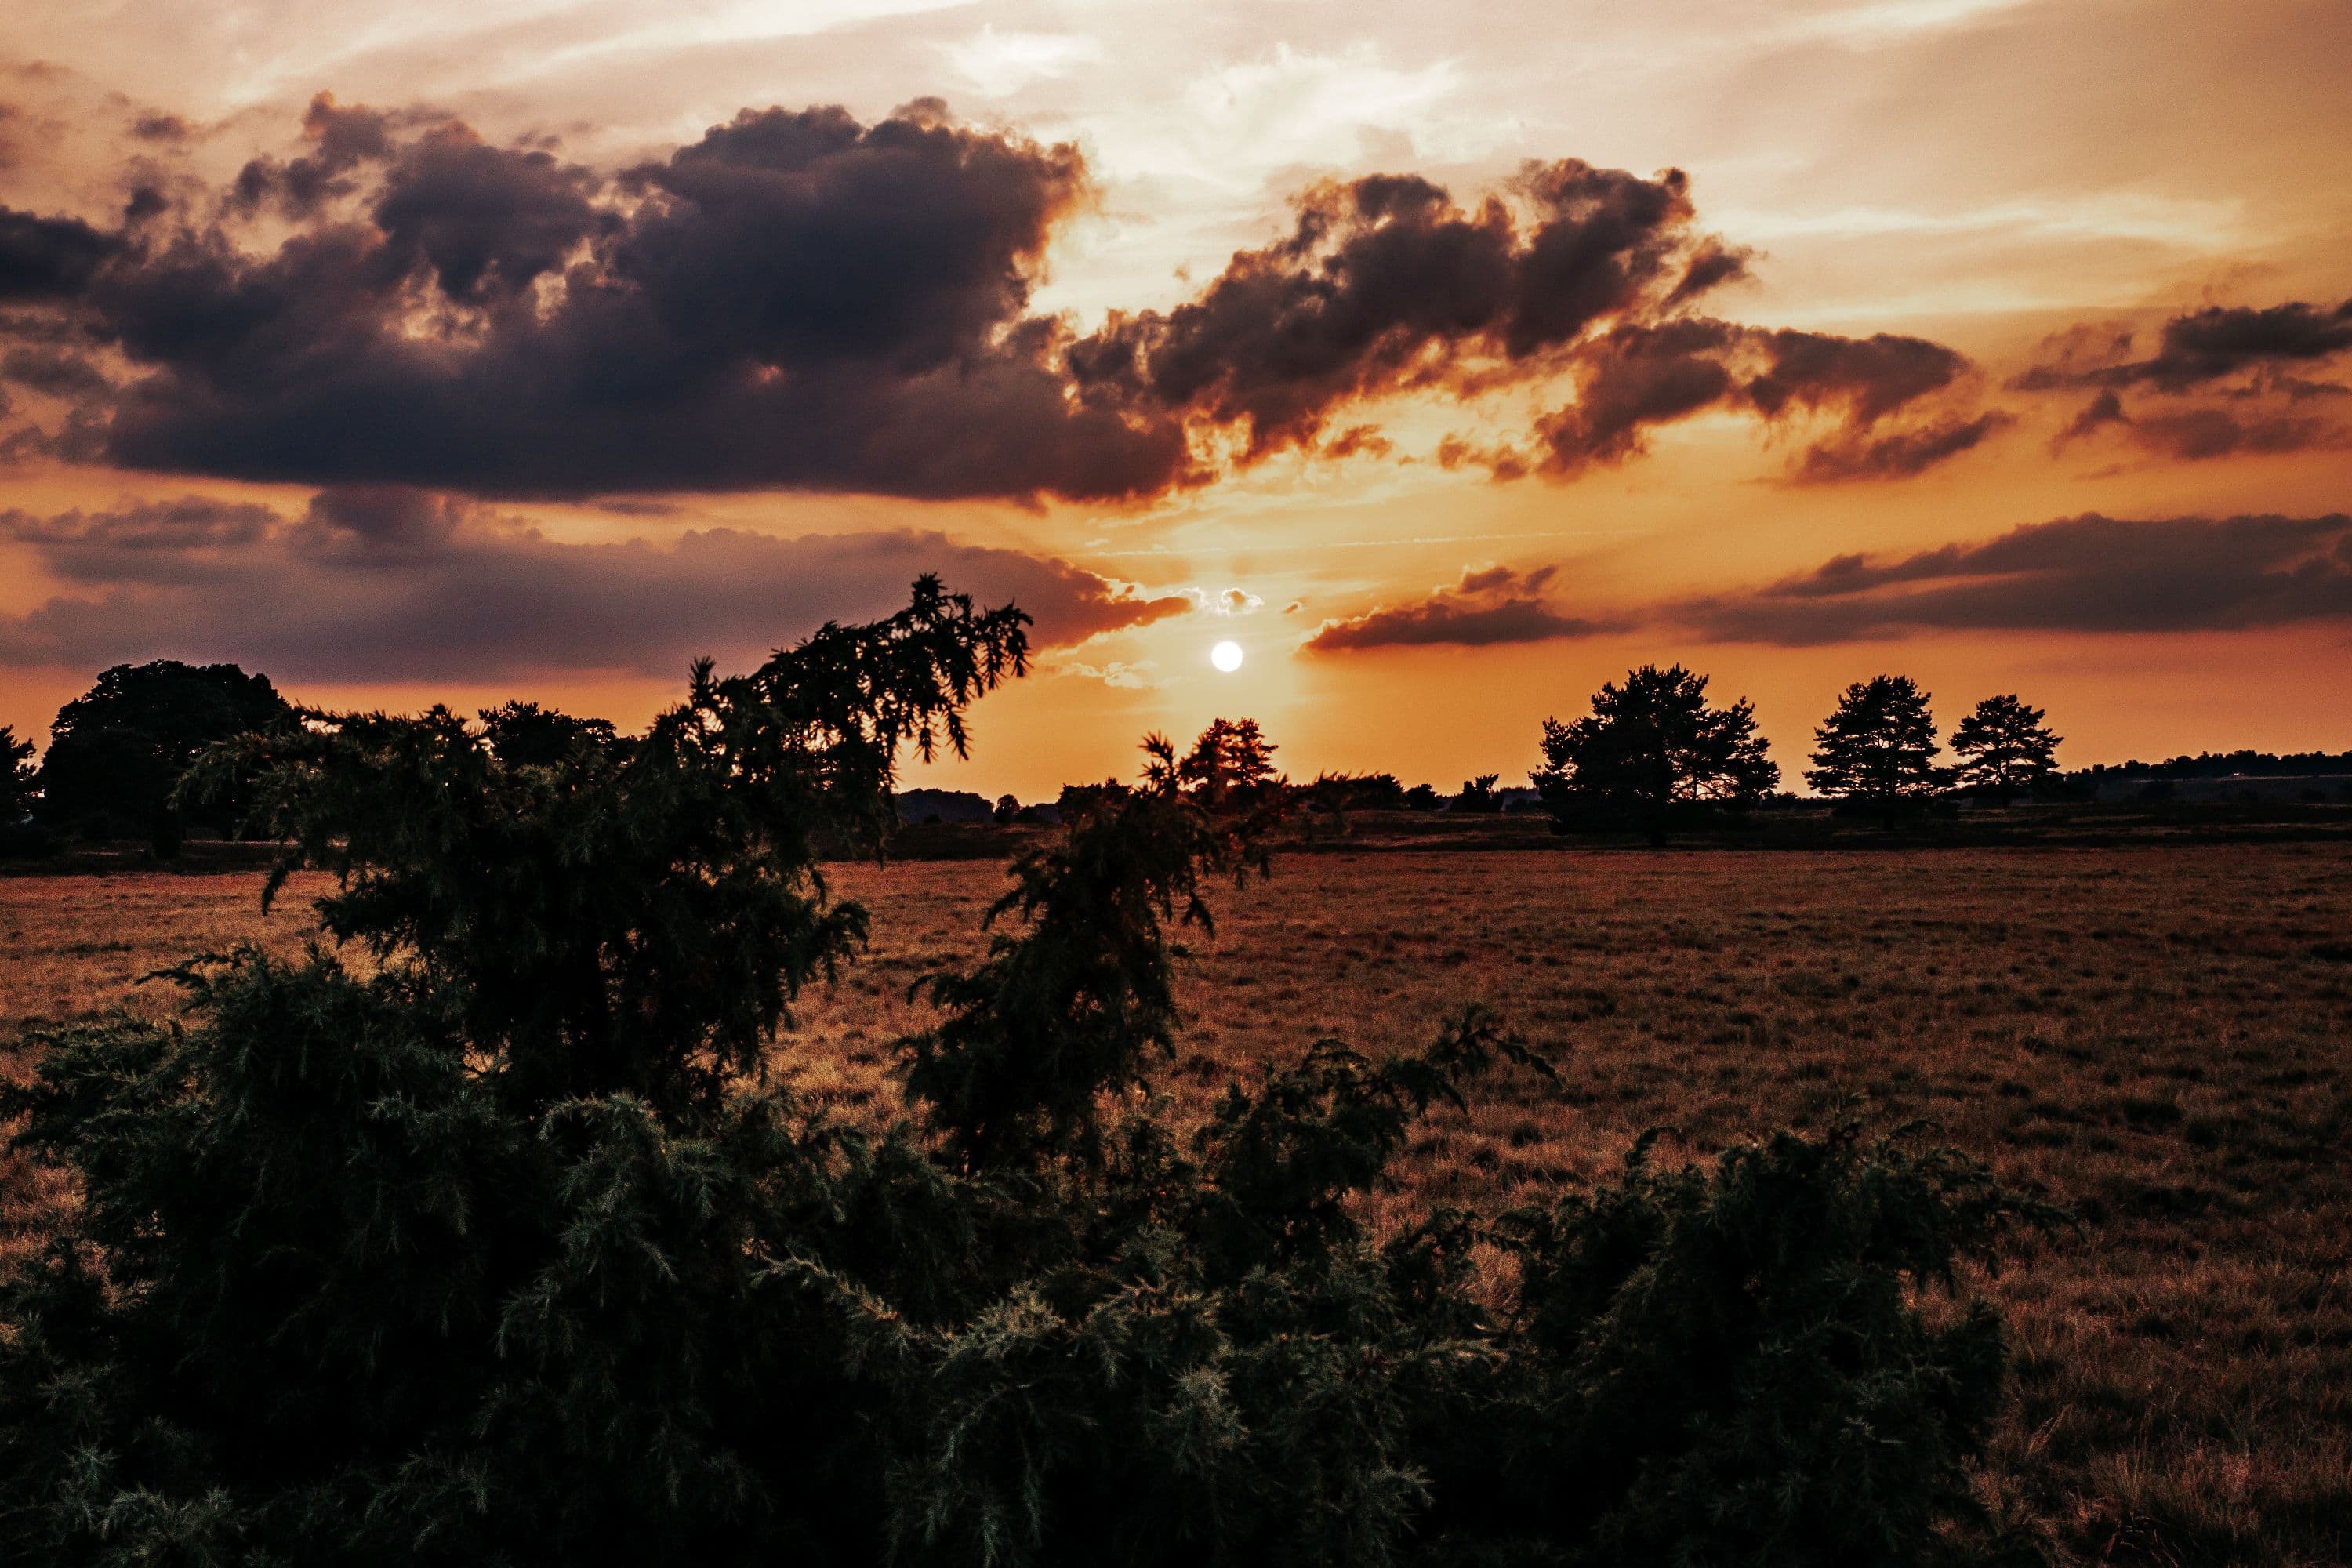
(1654, 754)
(2222, 765)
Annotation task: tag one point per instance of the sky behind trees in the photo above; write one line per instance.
(1449, 362)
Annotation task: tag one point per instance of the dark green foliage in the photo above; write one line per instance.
(1729, 1365)
(117, 751)
(494, 1245)
(1653, 755)
(2005, 748)
(1076, 1005)
(1877, 752)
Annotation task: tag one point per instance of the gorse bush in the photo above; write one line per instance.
(496, 1244)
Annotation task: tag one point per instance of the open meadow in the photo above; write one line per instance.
(2158, 1038)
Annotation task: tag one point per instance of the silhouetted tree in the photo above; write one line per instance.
(117, 751)
(16, 777)
(19, 835)
(1422, 797)
(2004, 748)
(1231, 758)
(524, 734)
(1653, 753)
(506, 1245)
(1877, 750)
(1477, 796)
(1355, 791)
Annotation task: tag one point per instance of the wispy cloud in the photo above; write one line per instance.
(2088, 573)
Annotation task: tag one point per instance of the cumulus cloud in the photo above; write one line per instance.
(2087, 573)
(800, 301)
(795, 300)
(1488, 605)
(388, 583)
(1385, 284)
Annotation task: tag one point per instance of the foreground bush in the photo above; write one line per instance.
(498, 1247)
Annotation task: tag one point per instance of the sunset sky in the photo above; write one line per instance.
(1446, 359)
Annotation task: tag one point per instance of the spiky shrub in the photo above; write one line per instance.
(493, 1244)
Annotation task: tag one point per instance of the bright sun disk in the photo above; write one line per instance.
(1226, 656)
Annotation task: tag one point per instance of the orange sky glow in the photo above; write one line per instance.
(2004, 343)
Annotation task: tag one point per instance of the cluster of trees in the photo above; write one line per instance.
(508, 1242)
(1654, 754)
(116, 754)
(2226, 765)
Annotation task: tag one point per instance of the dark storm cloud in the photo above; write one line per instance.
(486, 221)
(797, 301)
(44, 258)
(2088, 573)
(341, 139)
(1490, 606)
(800, 301)
(381, 583)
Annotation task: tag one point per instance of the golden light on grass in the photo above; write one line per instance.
(2178, 1090)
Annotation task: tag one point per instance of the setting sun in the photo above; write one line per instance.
(1227, 656)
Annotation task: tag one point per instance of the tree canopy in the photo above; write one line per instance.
(117, 751)
(1651, 753)
(16, 777)
(1477, 796)
(1877, 749)
(2004, 747)
(490, 1233)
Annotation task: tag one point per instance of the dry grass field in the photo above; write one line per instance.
(2160, 1038)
